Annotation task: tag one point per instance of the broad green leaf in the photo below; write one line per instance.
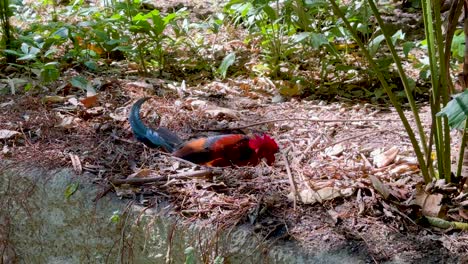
(169, 18)
(50, 72)
(300, 37)
(61, 32)
(458, 45)
(226, 63)
(318, 40)
(411, 83)
(271, 13)
(219, 260)
(424, 42)
(244, 8)
(36, 71)
(398, 35)
(456, 111)
(115, 218)
(29, 50)
(89, 53)
(407, 47)
(190, 255)
(101, 34)
(113, 42)
(50, 51)
(116, 17)
(92, 65)
(85, 24)
(139, 17)
(80, 82)
(27, 57)
(316, 3)
(461, 51)
(363, 28)
(28, 87)
(158, 24)
(374, 44)
(71, 189)
(13, 52)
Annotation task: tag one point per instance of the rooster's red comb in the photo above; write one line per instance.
(262, 140)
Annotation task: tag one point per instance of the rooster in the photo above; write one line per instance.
(215, 151)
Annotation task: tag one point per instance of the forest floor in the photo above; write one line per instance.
(346, 175)
(329, 164)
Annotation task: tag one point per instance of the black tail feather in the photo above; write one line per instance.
(161, 137)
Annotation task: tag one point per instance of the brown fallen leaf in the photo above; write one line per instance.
(6, 151)
(287, 88)
(120, 114)
(133, 66)
(196, 103)
(73, 101)
(11, 102)
(6, 134)
(463, 213)
(94, 111)
(67, 121)
(336, 150)
(385, 158)
(380, 186)
(308, 196)
(430, 203)
(404, 169)
(76, 163)
(126, 190)
(90, 101)
(144, 173)
(216, 111)
(54, 99)
(138, 84)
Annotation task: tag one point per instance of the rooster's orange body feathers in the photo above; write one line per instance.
(217, 151)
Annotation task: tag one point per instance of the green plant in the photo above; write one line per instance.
(456, 112)
(458, 45)
(71, 189)
(116, 217)
(438, 59)
(192, 35)
(225, 64)
(139, 35)
(32, 56)
(190, 255)
(273, 26)
(296, 27)
(6, 29)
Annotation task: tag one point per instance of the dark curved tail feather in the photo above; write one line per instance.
(161, 137)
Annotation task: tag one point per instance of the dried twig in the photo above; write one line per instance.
(103, 193)
(291, 180)
(183, 175)
(309, 147)
(25, 137)
(181, 160)
(299, 119)
(349, 138)
(170, 239)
